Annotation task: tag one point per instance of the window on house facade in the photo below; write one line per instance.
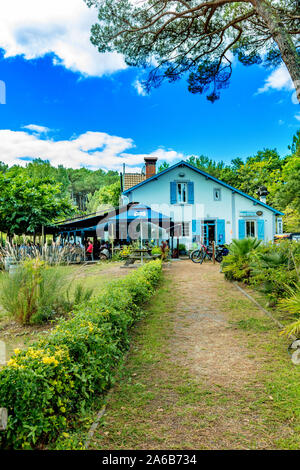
(217, 194)
(182, 192)
(250, 228)
(185, 229)
(182, 229)
(279, 225)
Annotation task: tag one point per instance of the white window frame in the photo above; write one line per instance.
(178, 196)
(255, 228)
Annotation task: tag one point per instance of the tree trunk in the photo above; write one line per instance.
(285, 43)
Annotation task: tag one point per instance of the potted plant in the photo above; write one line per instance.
(182, 249)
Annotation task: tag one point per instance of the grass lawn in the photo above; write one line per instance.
(158, 402)
(94, 276)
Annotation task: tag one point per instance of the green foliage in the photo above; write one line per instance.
(272, 269)
(47, 385)
(81, 295)
(243, 248)
(26, 205)
(156, 250)
(163, 166)
(290, 191)
(108, 196)
(291, 220)
(76, 185)
(236, 266)
(34, 293)
(182, 247)
(202, 34)
(37, 292)
(292, 303)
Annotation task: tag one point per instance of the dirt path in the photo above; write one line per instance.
(195, 376)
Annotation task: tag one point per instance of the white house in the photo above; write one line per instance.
(202, 207)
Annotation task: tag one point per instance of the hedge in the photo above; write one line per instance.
(50, 383)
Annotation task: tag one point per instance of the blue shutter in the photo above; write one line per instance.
(190, 192)
(242, 229)
(261, 229)
(196, 225)
(173, 198)
(221, 231)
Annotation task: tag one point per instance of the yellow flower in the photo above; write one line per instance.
(12, 363)
(17, 351)
(50, 360)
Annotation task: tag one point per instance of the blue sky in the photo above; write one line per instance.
(67, 103)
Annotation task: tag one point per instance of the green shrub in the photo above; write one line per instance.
(236, 266)
(243, 248)
(156, 250)
(291, 305)
(34, 292)
(47, 385)
(272, 281)
(273, 270)
(37, 292)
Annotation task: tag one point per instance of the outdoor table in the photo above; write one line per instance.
(139, 254)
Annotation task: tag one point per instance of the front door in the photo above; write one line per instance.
(208, 231)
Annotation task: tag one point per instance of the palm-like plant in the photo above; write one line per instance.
(274, 259)
(292, 329)
(236, 265)
(242, 248)
(292, 305)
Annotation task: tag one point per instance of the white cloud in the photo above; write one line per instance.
(139, 88)
(297, 116)
(92, 149)
(37, 129)
(279, 79)
(34, 28)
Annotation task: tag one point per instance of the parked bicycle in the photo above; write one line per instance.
(203, 252)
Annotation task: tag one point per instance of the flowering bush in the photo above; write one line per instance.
(126, 251)
(45, 386)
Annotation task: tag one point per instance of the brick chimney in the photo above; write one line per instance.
(150, 163)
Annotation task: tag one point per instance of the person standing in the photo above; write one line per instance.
(90, 250)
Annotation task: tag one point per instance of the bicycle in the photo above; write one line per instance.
(199, 255)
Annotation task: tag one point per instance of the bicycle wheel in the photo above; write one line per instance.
(196, 256)
(203, 256)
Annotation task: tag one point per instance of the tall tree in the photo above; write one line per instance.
(290, 191)
(197, 36)
(25, 205)
(106, 197)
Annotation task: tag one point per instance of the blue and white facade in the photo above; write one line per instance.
(204, 208)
